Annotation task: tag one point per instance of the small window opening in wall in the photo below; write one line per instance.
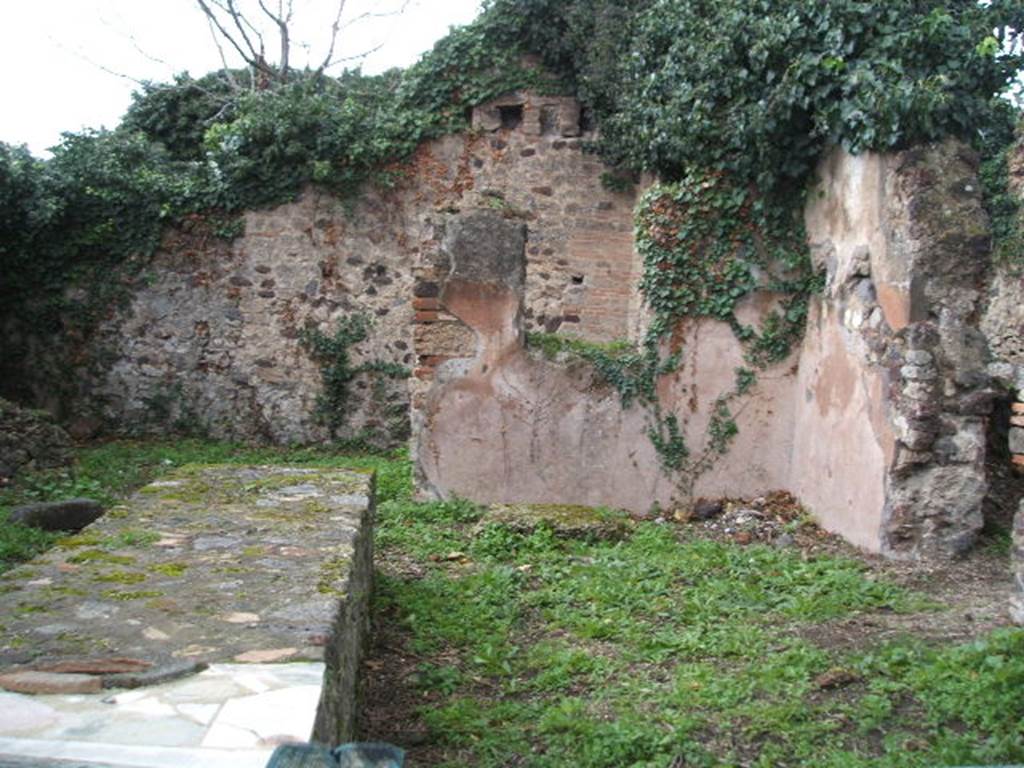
(511, 116)
(577, 279)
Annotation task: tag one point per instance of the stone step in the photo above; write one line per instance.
(254, 572)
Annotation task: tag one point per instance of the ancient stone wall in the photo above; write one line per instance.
(211, 341)
(29, 440)
(879, 422)
(1017, 561)
(1003, 320)
(894, 366)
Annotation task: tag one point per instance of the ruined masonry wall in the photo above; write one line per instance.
(211, 343)
(879, 422)
(894, 366)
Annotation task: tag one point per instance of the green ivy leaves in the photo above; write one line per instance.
(337, 372)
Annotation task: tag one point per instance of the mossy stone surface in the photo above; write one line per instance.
(205, 565)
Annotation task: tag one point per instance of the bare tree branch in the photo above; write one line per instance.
(223, 59)
(243, 43)
(215, 21)
(102, 67)
(282, 26)
(126, 34)
(229, 21)
(335, 28)
(241, 22)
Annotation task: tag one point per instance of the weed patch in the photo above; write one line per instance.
(664, 649)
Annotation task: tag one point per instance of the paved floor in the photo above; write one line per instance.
(230, 716)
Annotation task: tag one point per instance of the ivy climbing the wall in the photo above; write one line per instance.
(76, 230)
(337, 401)
(707, 242)
(732, 104)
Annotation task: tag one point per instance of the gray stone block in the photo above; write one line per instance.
(70, 515)
(486, 247)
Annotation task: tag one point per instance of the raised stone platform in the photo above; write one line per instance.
(244, 565)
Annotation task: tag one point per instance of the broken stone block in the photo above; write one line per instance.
(486, 119)
(705, 509)
(919, 372)
(70, 515)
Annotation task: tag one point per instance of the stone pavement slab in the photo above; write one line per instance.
(230, 714)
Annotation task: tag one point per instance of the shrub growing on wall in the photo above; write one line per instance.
(754, 89)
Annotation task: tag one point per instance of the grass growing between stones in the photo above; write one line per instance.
(500, 649)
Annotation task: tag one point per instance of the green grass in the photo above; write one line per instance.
(663, 649)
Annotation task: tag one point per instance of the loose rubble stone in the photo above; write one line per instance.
(30, 440)
(70, 515)
(784, 540)
(705, 509)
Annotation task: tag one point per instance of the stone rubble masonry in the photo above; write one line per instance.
(878, 422)
(210, 344)
(1017, 433)
(1003, 318)
(904, 241)
(1016, 436)
(29, 440)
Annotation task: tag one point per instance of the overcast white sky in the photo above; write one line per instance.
(53, 52)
